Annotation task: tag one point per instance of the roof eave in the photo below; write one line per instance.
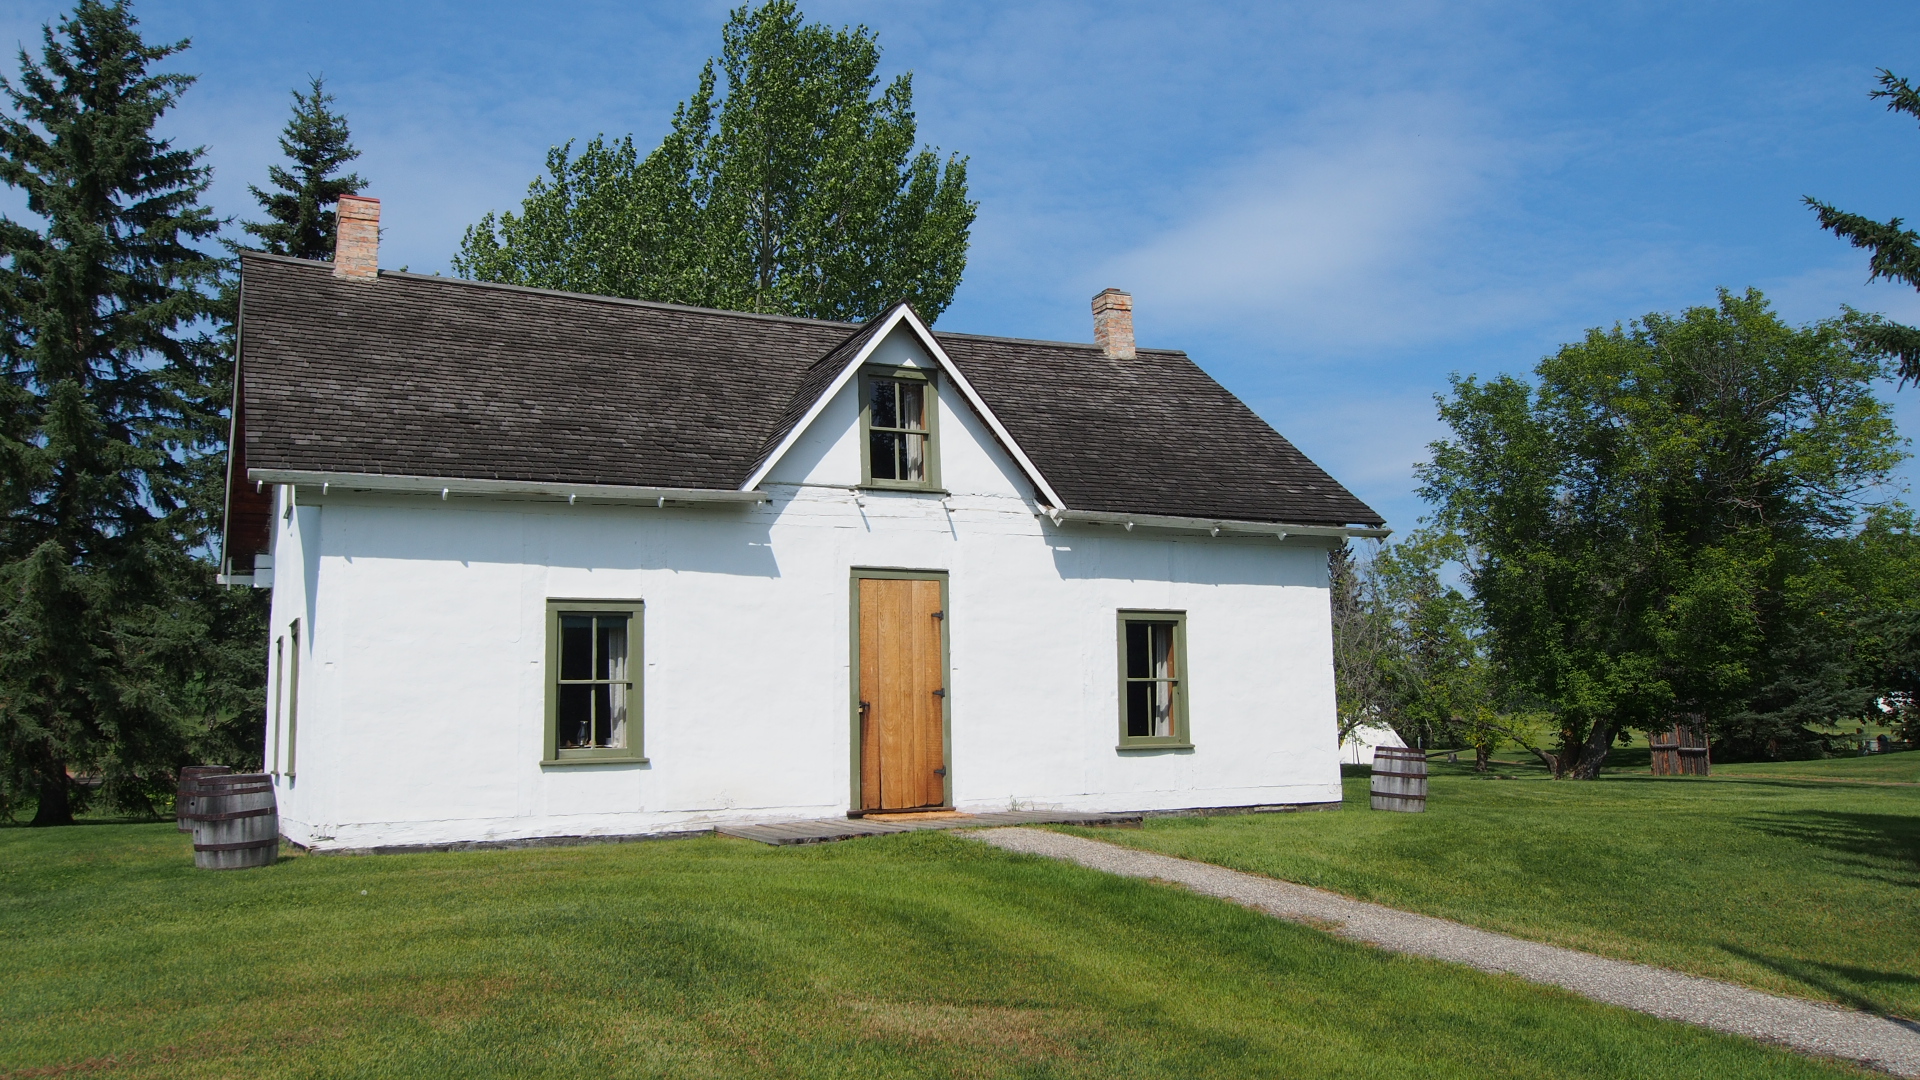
(1212, 526)
(448, 486)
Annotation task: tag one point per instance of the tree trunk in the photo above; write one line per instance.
(1480, 756)
(56, 806)
(1592, 753)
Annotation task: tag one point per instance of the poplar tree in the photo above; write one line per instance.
(112, 396)
(300, 219)
(795, 191)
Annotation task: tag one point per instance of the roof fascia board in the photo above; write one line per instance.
(233, 420)
(904, 313)
(980, 407)
(445, 486)
(1213, 526)
(824, 398)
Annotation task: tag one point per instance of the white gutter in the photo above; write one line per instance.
(1211, 526)
(446, 486)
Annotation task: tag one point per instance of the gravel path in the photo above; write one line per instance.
(1807, 1026)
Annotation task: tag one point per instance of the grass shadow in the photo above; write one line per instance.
(1864, 841)
(1844, 982)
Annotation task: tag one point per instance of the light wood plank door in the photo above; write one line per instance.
(902, 694)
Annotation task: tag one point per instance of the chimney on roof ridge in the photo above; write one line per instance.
(1113, 323)
(356, 245)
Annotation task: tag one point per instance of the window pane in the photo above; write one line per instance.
(576, 647)
(913, 406)
(915, 466)
(1162, 707)
(610, 652)
(1140, 709)
(1163, 651)
(574, 723)
(602, 714)
(885, 410)
(884, 453)
(616, 714)
(1139, 649)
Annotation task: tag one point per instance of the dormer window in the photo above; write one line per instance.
(899, 441)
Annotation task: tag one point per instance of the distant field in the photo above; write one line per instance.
(1795, 877)
(918, 955)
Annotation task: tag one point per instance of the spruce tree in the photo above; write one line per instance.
(797, 191)
(113, 391)
(1895, 248)
(300, 215)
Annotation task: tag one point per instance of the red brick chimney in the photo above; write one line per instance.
(1113, 323)
(356, 249)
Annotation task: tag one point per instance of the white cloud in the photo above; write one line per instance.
(1339, 234)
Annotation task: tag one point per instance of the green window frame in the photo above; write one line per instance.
(279, 701)
(1153, 680)
(593, 682)
(293, 694)
(887, 450)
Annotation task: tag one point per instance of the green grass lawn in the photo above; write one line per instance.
(908, 955)
(1795, 877)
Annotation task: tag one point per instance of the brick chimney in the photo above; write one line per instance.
(356, 249)
(1113, 323)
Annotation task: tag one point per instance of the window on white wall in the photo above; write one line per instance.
(1153, 679)
(593, 667)
(899, 441)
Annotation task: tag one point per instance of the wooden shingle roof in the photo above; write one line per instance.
(414, 375)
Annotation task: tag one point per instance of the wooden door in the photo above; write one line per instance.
(903, 762)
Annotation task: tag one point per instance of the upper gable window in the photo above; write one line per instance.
(899, 443)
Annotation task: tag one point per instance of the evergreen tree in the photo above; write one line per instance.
(796, 192)
(300, 218)
(1895, 248)
(113, 395)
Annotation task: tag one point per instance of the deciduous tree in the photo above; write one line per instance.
(796, 191)
(1647, 517)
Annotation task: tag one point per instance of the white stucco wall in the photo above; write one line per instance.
(421, 713)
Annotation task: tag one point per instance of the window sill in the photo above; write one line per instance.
(1169, 745)
(910, 489)
(623, 759)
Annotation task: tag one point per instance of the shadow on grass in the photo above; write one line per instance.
(128, 820)
(1844, 982)
(1867, 841)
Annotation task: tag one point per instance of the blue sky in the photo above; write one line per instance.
(1332, 207)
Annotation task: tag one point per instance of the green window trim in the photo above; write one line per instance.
(627, 673)
(279, 702)
(929, 385)
(293, 694)
(1153, 687)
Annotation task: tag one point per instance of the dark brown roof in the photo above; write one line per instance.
(428, 376)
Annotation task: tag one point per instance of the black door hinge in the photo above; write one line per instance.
(939, 614)
(941, 771)
(940, 693)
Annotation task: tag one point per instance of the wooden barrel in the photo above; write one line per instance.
(235, 824)
(1400, 779)
(183, 800)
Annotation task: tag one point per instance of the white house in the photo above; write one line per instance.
(546, 564)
